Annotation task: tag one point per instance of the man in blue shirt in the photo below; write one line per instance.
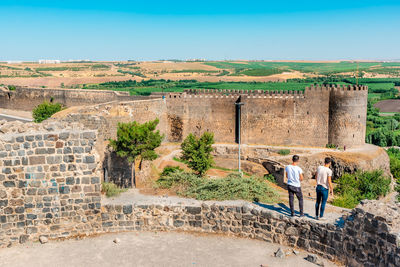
(294, 175)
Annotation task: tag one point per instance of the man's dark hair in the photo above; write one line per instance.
(295, 158)
(328, 160)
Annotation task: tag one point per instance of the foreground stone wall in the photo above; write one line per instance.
(359, 239)
(50, 186)
(49, 181)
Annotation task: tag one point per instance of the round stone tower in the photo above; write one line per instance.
(347, 115)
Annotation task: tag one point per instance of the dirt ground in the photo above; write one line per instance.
(153, 249)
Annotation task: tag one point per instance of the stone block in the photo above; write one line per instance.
(63, 136)
(3, 203)
(23, 239)
(9, 184)
(89, 159)
(88, 135)
(36, 160)
(68, 158)
(29, 138)
(127, 209)
(78, 150)
(193, 210)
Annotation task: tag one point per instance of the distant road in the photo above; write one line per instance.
(13, 118)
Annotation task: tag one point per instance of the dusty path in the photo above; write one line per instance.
(152, 249)
(12, 115)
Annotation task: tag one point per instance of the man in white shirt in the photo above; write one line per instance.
(324, 184)
(294, 175)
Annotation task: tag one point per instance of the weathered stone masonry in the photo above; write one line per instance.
(361, 239)
(50, 185)
(315, 117)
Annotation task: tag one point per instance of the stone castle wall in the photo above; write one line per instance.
(27, 98)
(105, 117)
(319, 116)
(315, 117)
(49, 182)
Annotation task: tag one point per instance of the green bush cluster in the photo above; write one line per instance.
(284, 152)
(111, 189)
(45, 111)
(394, 155)
(229, 188)
(352, 188)
(331, 146)
(382, 130)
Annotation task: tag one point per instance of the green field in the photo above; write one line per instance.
(251, 68)
(376, 90)
(149, 86)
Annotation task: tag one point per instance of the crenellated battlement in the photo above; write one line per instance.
(337, 87)
(232, 93)
(225, 93)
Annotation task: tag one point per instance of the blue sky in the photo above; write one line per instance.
(215, 30)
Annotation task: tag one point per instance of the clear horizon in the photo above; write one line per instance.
(223, 30)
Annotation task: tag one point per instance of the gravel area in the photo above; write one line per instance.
(153, 249)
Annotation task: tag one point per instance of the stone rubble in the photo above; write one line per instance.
(279, 253)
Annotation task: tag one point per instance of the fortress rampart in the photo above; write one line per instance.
(318, 116)
(27, 98)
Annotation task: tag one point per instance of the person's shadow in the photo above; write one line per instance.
(281, 208)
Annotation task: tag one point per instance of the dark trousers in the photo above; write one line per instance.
(322, 196)
(295, 191)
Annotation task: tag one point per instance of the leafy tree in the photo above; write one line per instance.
(137, 141)
(197, 152)
(45, 111)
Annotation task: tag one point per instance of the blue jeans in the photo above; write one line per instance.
(322, 194)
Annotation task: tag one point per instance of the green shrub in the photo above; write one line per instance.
(170, 169)
(197, 152)
(111, 189)
(229, 188)
(179, 180)
(331, 146)
(271, 178)
(11, 88)
(45, 111)
(284, 152)
(352, 188)
(394, 155)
